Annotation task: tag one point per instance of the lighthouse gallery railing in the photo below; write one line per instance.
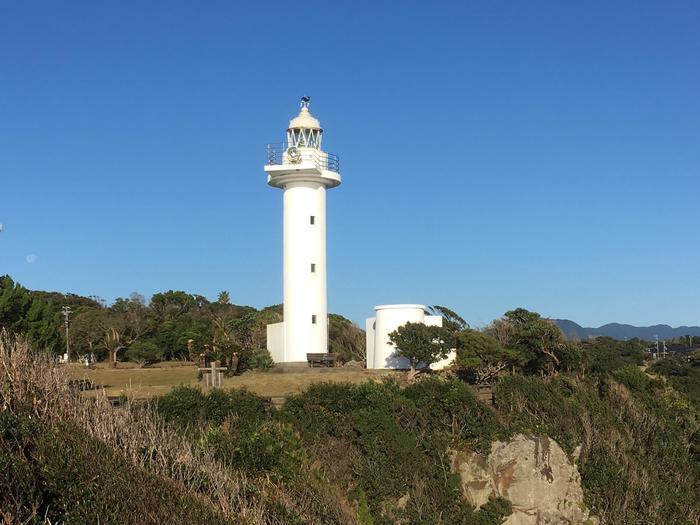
(325, 161)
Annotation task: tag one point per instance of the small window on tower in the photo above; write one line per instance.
(313, 268)
(312, 220)
(313, 319)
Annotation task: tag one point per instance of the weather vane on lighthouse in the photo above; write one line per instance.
(304, 172)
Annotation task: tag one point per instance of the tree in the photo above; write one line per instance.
(451, 320)
(171, 304)
(112, 342)
(135, 315)
(605, 354)
(539, 339)
(87, 329)
(225, 349)
(345, 339)
(484, 356)
(144, 353)
(420, 344)
(43, 325)
(14, 303)
(34, 314)
(224, 298)
(501, 330)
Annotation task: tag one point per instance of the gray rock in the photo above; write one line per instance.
(533, 473)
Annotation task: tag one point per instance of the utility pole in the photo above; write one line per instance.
(66, 314)
(657, 347)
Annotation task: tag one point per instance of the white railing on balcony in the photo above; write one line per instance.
(281, 153)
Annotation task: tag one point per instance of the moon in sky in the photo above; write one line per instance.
(31, 258)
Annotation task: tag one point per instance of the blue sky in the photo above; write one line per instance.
(494, 154)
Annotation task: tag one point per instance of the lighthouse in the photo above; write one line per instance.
(303, 171)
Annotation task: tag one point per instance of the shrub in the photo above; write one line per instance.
(260, 360)
(144, 353)
(188, 406)
(493, 512)
(606, 354)
(182, 405)
(451, 407)
(685, 377)
(267, 447)
(633, 378)
(384, 443)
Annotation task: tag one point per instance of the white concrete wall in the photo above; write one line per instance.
(275, 341)
(444, 363)
(304, 290)
(433, 320)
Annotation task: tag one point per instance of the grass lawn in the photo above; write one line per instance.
(140, 383)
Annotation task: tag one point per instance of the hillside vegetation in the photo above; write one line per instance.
(68, 459)
(372, 453)
(336, 453)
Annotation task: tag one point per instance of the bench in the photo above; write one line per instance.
(323, 359)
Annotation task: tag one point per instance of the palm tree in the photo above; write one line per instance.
(113, 343)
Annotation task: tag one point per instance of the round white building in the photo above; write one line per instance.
(381, 353)
(303, 171)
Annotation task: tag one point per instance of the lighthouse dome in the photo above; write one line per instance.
(304, 120)
(304, 130)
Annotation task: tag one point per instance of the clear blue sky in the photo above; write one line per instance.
(494, 154)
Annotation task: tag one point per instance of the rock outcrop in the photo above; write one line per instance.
(533, 473)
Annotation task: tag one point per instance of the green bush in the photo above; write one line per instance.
(604, 354)
(144, 353)
(237, 426)
(633, 378)
(182, 406)
(394, 444)
(493, 512)
(685, 377)
(188, 406)
(260, 360)
(267, 447)
(451, 407)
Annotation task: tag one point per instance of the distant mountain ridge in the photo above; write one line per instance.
(572, 330)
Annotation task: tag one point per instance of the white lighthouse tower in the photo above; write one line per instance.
(303, 171)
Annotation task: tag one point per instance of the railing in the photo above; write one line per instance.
(277, 154)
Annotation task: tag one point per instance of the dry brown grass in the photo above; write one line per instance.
(143, 383)
(32, 380)
(137, 383)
